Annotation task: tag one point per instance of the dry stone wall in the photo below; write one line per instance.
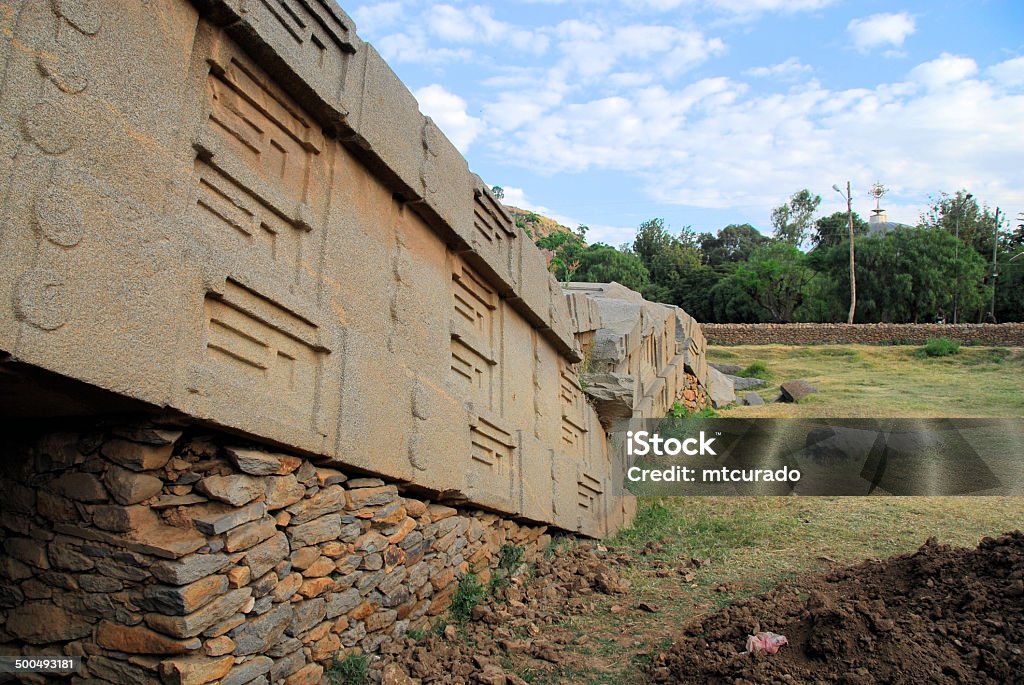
(1009, 334)
(176, 556)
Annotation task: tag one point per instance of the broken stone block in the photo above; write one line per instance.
(129, 487)
(794, 391)
(141, 640)
(198, 621)
(187, 569)
(327, 501)
(222, 518)
(181, 600)
(612, 394)
(81, 487)
(282, 491)
(236, 490)
(137, 456)
(194, 670)
(266, 555)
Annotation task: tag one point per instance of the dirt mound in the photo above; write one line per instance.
(939, 615)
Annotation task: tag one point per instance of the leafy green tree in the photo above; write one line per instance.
(651, 238)
(566, 247)
(792, 221)
(600, 263)
(834, 229)
(734, 243)
(775, 277)
(498, 192)
(961, 214)
(730, 302)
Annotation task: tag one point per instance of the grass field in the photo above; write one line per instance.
(751, 544)
(885, 381)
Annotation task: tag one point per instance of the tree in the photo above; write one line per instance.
(498, 192)
(834, 229)
(566, 247)
(792, 221)
(775, 278)
(600, 263)
(734, 243)
(651, 238)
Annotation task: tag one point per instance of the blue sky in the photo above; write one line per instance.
(710, 112)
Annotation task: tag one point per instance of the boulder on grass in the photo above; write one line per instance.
(794, 391)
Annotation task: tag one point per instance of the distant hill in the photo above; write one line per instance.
(538, 226)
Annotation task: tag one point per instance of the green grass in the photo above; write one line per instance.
(353, 669)
(887, 381)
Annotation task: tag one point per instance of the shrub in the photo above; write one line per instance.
(354, 669)
(941, 347)
(756, 370)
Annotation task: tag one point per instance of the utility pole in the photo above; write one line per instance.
(995, 272)
(956, 253)
(853, 272)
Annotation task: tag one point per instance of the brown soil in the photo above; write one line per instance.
(939, 615)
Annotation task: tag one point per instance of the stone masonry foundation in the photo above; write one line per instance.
(180, 556)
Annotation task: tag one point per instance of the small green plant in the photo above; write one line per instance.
(756, 370)
(467, 596)
(678, 411)
(417, 634)
(941, 347)
(510, 557)
(353, 669)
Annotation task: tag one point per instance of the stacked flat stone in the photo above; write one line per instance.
(163, 557)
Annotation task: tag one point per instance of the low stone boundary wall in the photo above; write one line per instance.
(181, 557)
(1006, 334)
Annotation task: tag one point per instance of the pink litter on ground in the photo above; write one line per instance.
(765, 642)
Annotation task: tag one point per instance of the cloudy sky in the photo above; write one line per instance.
(710, 112)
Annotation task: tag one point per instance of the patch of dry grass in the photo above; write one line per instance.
(868, 381)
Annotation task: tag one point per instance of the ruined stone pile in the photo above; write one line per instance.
(167, 557)
(519, 622)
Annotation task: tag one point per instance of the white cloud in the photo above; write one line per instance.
(881, 30)
(1009, 73)
(477, 25)
(372, 19)
(944, 70)
(449, 113)
(791, 67)
(414, 46)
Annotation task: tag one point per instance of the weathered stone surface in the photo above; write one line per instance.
(129, 487)
(219, 646)
(137, 456)
(187, 569)
(250, 534)
(309, 674)
(256, 635)
(266, 555)
(341, 603)
(81, 487)
(196, 622)
(720, 389)
(306, 614)
(194, 670)
(152, 537)
(752, 399)
(727, 369)
(29, 551)
(248, 671)
(181, 600)
(224, 517)
(612, 394)
(235, 490)
(39, 623)
(740, 383)
(121, 519)
(117, 671)
(282, 491)
(141, 640)
(327, 501)
(287, 664)
(370, 497)
(254, 461)
(794, 391)
(326, 476)
(318, 530)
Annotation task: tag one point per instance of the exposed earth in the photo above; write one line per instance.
(939, 615)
